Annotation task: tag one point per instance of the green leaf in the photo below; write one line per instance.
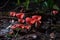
(56, 7)
(18, 2)
(50, 3)
(36, 1)
(9, 35)
(45, 3)
(26, 4)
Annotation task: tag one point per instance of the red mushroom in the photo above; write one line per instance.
(21, 26)
(13, 27)
(37, 19)
(12, 14)
(55, 12)
(27, 27)
(33, 21)
(20, 15)
(21, 20)
(17, 25)
(30, 20)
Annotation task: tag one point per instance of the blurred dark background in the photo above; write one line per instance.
(7, 5)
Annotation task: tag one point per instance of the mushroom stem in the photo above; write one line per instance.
(36, 24)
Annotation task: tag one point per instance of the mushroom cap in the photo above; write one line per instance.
(20, 15)
(12, 14)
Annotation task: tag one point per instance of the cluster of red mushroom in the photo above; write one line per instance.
(35, 19)
(22, 26)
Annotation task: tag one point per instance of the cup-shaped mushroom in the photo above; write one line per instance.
(37, 17)
(20, 15)
(21, 20)
(13, 27)
(12, 14)
(27, 27)
(55, 12)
